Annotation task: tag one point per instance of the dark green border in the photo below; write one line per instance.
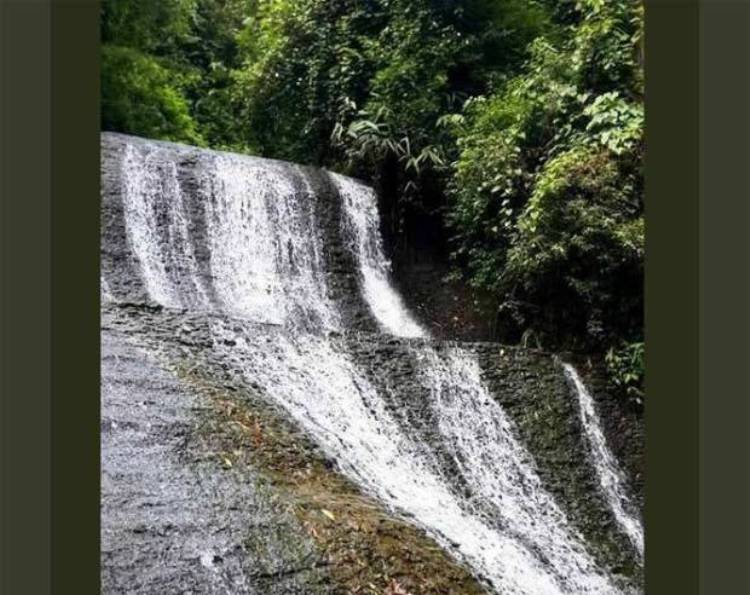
(725, 307)
(672, 288)
(49, 184)
(75, 296)
(49, 434)
(25, 297)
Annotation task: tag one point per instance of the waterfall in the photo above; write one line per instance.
(264, 243)
(363, 224)
(499, 531)
(150, 190)
(250, 240)
(157, 224)
(505, 487)
(610, 475)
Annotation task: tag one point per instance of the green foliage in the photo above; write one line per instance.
(142, 97)
(151, 27)
(211, 54)
(607, 51)
(368, 85)
(626, 367)
(167, 69)
(577, 250)
(546, 199)
(284, 86)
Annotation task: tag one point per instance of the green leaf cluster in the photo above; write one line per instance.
(626, 364)
(546, 201)
(167, 69)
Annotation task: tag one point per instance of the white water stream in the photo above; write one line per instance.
(264, 244)
(363, 223)
(611, 476)
(266, 265)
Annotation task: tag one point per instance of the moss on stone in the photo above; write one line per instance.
(532, 388)
(365, 548)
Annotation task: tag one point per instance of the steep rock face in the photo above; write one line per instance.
(262, 286)
(235, 498)
(173, 519)
(167, 192)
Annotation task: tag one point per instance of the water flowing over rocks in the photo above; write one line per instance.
(173, 523)
(390, 461)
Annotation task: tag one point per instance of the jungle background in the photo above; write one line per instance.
(505, 138)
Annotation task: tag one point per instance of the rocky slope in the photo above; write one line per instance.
(274, 420)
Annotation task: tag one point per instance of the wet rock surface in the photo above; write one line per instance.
(208, 487)
(265, 431)
(530, 385)
(532, 389)
(175, 517)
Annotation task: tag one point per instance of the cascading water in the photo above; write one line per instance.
(505, 487)
(150, 189)
(610, 475)
(104, 291)
(157, 230)
(499, 530)
(264, 243)
(363, 223)
(251, 246)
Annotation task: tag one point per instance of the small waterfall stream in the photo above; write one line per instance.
(244, 238)
(610, 475)
(363, 221)
(152, 194)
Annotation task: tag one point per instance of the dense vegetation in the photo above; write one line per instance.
(518, 124)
